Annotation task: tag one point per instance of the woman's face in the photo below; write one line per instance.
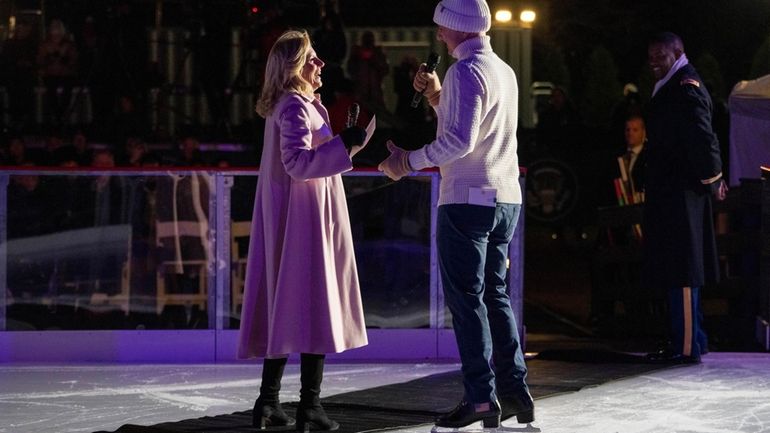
(311, 72)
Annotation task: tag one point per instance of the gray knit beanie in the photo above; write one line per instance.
(469, 16)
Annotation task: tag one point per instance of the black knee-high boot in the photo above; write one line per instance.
(267, 409)
(310, 413)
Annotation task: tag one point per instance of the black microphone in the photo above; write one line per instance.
(353, 111)
(431, 64)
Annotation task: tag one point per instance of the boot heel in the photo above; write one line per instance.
(491, 422)
(525, 417)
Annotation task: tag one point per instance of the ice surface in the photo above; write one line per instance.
(727, 393)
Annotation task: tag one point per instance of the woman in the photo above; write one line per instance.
(302, 293)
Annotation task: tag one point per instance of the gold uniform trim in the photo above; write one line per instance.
(687, 305)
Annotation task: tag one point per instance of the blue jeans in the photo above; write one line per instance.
(473, 251)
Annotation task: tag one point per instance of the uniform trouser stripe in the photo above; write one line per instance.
(688, 321)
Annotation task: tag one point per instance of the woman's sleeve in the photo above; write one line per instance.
(299, 158)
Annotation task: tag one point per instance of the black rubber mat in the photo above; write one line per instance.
(420, 400)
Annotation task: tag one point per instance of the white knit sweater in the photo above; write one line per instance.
(478, 112)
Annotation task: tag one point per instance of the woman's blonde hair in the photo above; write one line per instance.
(284, 70)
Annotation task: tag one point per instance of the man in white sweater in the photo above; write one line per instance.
(479, 205)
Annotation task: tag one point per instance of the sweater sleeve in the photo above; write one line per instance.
(459, 116)
(299, 158)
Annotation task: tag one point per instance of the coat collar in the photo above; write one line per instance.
(315, 98)
(467, 48)
(679, 64)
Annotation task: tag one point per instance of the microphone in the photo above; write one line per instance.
(353, 111)
(431, 64)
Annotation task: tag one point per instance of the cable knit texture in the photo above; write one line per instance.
(478, 112)
(463, 15)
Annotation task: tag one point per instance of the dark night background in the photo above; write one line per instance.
(730, 30)
(589, 48)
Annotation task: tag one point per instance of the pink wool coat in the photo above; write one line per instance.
(302, 292)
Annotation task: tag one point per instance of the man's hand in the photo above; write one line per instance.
(396, 165)
(721, 191)
(717, 185)
(427, 83)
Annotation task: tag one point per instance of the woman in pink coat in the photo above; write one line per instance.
(302, 293)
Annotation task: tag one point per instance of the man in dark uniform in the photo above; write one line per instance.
(683, 170)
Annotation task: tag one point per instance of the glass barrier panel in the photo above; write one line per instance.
(136, 250)
(103, 250)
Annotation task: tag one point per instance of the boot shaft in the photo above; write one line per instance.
(311, 376)
(272, 373)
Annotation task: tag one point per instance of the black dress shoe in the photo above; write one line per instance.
(465, 413)
(668, 356)
(520, 405)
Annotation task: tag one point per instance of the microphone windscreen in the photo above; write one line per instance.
(353, 112)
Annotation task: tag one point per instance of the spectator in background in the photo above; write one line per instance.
(28, 206)
(107, 190)
(630, 105)
(82, 149)
(54, 150)
(189, 152)
(17, 152)
(136, 151)
(17, 71)
(605, 278)
(367, 67)
(75, 154)
(57, 61)
(635, 155)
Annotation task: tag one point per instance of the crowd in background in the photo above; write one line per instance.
(103, 59)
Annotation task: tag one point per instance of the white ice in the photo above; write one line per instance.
(727, 393)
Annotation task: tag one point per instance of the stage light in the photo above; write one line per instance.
(527, 16)
(503, 16)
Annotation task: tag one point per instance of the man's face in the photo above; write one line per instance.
(634, 132)
(451, 38)
(661, 58)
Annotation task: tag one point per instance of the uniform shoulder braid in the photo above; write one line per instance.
(689, 81)
(692, 87)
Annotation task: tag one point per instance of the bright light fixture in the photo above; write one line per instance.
(503, 16)
(527, 16)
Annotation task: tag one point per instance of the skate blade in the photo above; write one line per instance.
(478, 428)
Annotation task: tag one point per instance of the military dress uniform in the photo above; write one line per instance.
(680, 248)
